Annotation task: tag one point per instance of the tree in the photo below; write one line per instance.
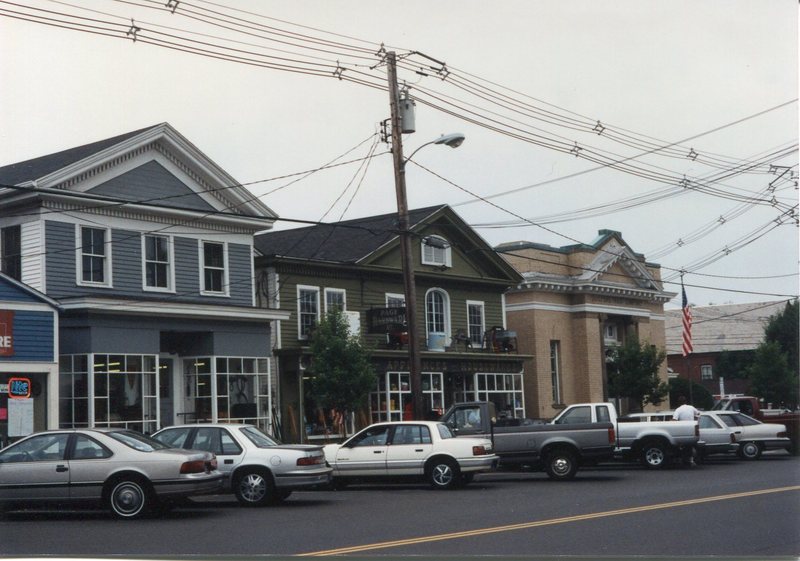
(343, 374)
(633, 373)
(775, 373)
(701, 397)
(771, 378)
(734, 364)
(783, 329)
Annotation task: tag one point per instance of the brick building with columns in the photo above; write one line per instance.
(574, 305)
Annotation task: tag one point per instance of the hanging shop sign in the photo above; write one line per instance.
(385, 320)
(6, 333)
(19, 388)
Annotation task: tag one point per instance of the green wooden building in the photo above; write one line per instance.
(355, 266)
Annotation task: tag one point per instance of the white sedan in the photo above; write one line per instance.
(258, 469)
(410, 449)
(753, 436)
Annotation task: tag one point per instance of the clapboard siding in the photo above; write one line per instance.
(31, 244)
(33, 337)
(126, 262)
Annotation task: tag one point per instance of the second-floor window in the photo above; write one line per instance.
(475, 323)
(706, 372)
(95, 253)
(395, 300)
(11, 251)
(214, 269)
(436, 251)
(437, 311)
(157, 263)
(335, 299)
(307, 310)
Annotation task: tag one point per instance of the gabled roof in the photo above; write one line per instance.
(36, 168)
(349, 241)
(28, 292)
(365, 241)
(630, 275)
(75, 172)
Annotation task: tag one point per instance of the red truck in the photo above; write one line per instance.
(752, 406)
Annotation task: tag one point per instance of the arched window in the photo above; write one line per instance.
(437, 311)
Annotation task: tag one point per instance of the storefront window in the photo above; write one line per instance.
(123, 391)
(73, 404)
(504, 390)
(391, 400)
(242, 389)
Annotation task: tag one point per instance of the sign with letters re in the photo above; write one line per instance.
(6, 333)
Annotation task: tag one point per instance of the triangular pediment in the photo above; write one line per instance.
(616, 264)
(155, 184)
(157, 167)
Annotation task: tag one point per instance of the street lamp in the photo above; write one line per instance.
(453, 140)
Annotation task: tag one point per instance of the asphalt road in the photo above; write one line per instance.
(726, 507)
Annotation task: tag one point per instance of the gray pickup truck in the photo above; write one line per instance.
(653, 443)
(523, 443)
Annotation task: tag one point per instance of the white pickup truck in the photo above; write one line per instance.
(653, 443)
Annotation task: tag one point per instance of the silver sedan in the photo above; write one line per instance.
(258, 469)
(130, 473)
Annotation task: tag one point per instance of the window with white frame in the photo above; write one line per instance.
(475, 322)
(436, 251)
(95, 256)
(335, 299)
(555, 370)
(437, 311)
(395, 300)
(307, 310)
(706, 372)
(157, 253)
(213, 264)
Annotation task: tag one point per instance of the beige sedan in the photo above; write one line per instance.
(128, 472)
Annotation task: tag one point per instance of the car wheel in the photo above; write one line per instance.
(655, 455)
(129, 498)
(750, 450)
(254, 488)
(561, 465)
(443, 474)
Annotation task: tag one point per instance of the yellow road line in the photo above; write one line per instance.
(526, 525)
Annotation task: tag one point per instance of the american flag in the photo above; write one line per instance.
(687, 324)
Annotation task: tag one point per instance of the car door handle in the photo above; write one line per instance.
(418, 450)
(377, 451)
(61, 468)
(228, 462)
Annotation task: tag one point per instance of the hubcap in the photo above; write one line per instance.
(128, 498)
(252, 487)
(442, 474)
(561, 466)
(654, 456)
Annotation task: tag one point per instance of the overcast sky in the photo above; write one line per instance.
(714, 81)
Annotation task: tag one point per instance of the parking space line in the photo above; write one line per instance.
(550, 522)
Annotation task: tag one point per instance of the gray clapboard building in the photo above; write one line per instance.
(146, 245)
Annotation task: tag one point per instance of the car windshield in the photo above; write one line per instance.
(136, 440)
(259, 437)
(444, 431)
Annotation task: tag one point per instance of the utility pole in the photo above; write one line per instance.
(414, 362)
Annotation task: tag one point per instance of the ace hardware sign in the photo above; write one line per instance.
(6, 333)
